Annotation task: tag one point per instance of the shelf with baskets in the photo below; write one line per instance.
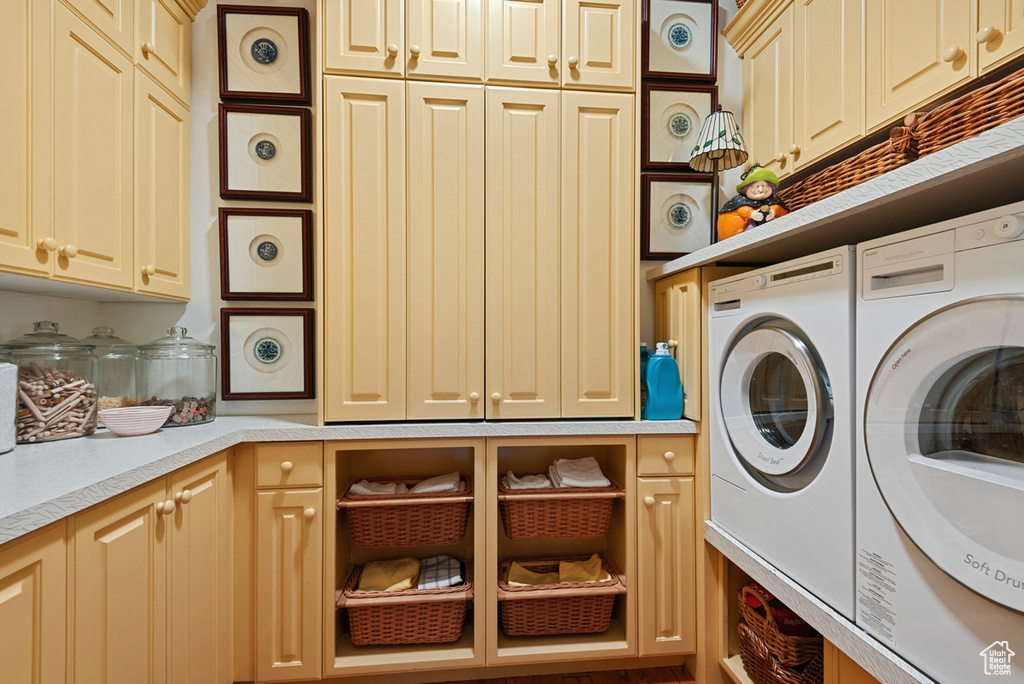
(415, 628)
(538, 528)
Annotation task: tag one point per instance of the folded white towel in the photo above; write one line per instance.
(439, 483)
(577, 472)
(439, 571)
(367, 488)
(526, 481)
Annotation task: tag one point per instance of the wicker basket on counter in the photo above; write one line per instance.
(557, 512)
(768, 655)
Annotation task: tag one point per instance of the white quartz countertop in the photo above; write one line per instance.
(45, 482)
(878, 660)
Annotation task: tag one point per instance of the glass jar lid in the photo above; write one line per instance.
(176, 344)
(107, 344)
(46, 336)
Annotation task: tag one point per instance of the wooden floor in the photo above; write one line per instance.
(651, 675)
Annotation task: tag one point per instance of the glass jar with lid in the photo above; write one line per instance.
(56, 391)
(179, 371)
(8, 398)
(115, 369)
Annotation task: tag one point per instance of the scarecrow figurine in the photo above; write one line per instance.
(755, 204)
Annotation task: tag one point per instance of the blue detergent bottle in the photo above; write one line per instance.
(664, 390)
(645, 354)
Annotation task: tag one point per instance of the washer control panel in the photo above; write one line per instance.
(1003, 229)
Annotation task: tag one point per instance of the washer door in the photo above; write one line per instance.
(944, 430)
(777, 405)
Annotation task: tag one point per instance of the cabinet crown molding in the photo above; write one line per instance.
(192, 7)
(751, 21)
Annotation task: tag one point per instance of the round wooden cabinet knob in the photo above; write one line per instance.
(573, 62)
(952, 54)
(794, 149)
(780, 157)
(165, 507)
(148, 48)
(986, 34)
(672, 344)
(669, 455)
(496, 397)
(392, 49)
(286, 467)
(183, 497)
(552, 60)
(148, 270)
(474, 396)
(49, 244)
(309, 513)
(649, 500)
(414, 50)
(69, 251)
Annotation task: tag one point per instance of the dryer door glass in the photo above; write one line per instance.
(778, 400)
(944, 434)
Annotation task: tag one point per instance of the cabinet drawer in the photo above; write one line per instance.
(289, 464)
(672, 455)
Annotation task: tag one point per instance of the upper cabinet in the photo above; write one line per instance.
(598, 40)
(1000, 35)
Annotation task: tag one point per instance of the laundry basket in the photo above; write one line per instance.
(557, 512)
(768, 655)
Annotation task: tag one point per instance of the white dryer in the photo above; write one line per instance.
(781, 388)
(940, 449)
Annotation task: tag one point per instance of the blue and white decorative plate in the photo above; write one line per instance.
(267, 350)
(266, 150)
(679, 35)
(680, 125)
(266, 250)
(679, 215)
(264, 51)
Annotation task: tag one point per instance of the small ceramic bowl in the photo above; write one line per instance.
(129, 421)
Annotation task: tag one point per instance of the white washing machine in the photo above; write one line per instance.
(940, 446)
(781, 389)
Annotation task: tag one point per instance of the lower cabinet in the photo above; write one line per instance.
(33, 609)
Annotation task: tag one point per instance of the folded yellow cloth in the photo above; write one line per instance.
(589, 570)
(389, 575)
(518, 576)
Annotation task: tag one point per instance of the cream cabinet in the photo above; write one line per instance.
(163, 45)
(768, 95)
(289, 568)
(1000, 35)
(149, 590)
(33, 612)
(524, 42)
(677, 323)
(598, 41)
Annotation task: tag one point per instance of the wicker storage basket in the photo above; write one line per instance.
(788, 650)
(764, 668)
(562, 512)
(412, 616)
(566, 608)
(407, 519)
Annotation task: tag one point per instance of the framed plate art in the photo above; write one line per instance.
(263, 54)
(267, 353)
(265, 153)
(680, 39)
(673, 116)
(266, 254)
(675, 216)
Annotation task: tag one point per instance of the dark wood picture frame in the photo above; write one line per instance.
(305, 375)
(257, 69)
(709, 34)
(264, 254)
(698, 236)
(244, 153)
(694, 118)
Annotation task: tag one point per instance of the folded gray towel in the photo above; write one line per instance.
(577, 472)
(526, 481)
(439, 483)
(367, 488)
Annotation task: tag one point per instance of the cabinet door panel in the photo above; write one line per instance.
(114, 18)
(1007, 17)
(598, 44)
(365, 36)
(902, 75)
(523, 34)
(768, 80)
(677, 321)
(445, 39)
(162, 227)
(120, 590)
(522, 253)
(667, 586)
(598, 357)
(289, 546)
(163, 45)
(364, 225)
(92, 156)
(446, 244)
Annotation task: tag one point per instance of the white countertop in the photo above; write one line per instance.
(43, 483)
(870, 654)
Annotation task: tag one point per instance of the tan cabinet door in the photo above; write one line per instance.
(523, 41)
(162, 226)
(666, 583)
(120, 589)
(33, 610)
(768, 81)
(365, 248)
(903, 74)
(289, 548)
(828, 101)
(523, 281)
(25, 115)
(92, 146)
(163, 46)
(114, 18)
(598, 44)
(365, 36)
(677, 322)
(445, 39)
(446, 248)
(1000, 35)
(199, 602)
(598, 359)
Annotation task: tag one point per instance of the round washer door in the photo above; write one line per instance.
(944, 431)
(776, 402)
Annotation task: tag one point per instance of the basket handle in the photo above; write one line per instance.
(769, 615)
